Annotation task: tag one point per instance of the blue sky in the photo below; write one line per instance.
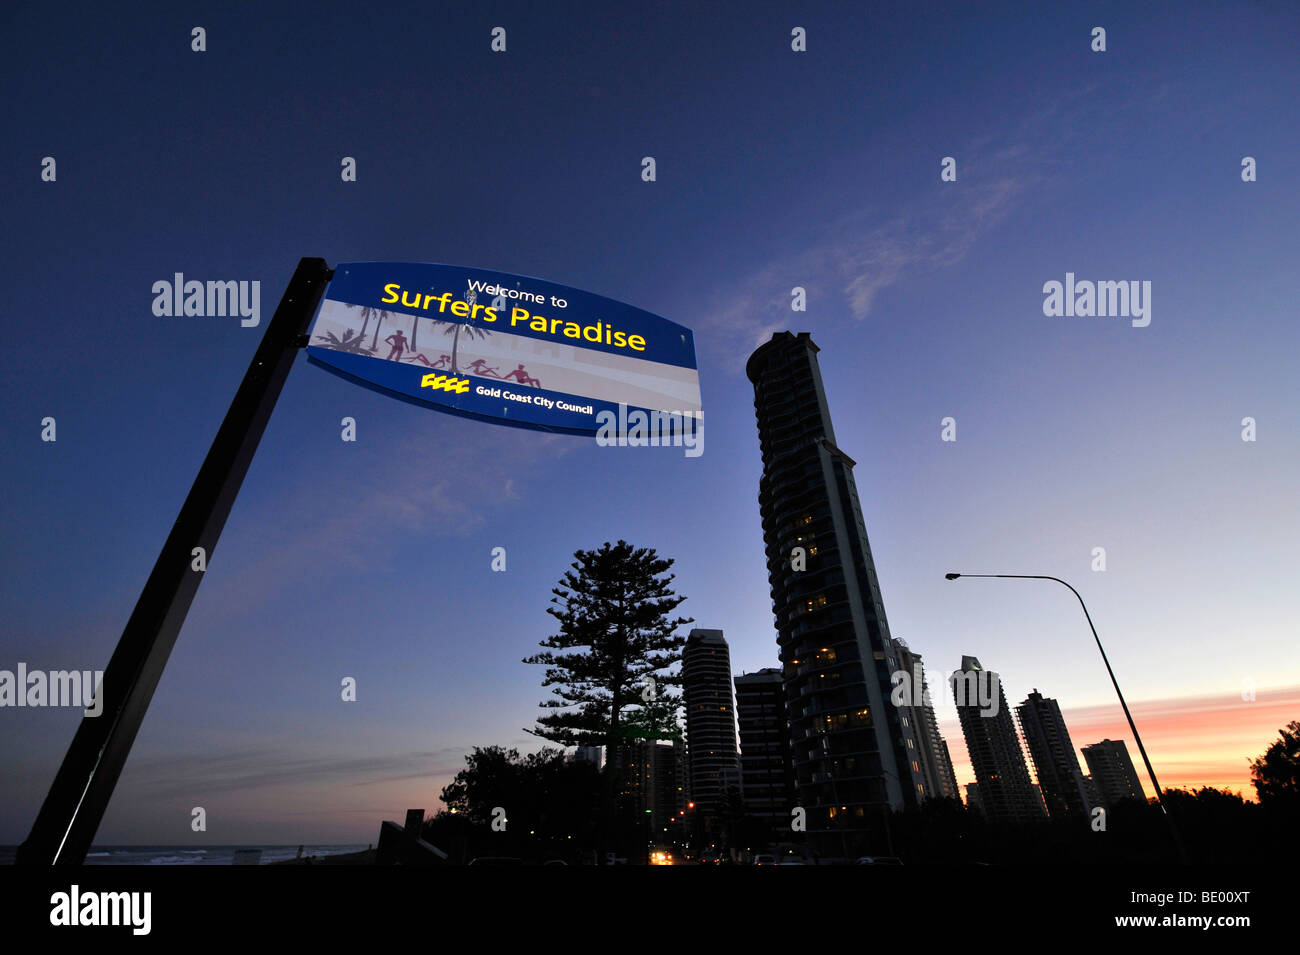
(775, 169)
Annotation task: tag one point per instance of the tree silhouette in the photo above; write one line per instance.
(549, 802)
(1276, 774)
(614, 603)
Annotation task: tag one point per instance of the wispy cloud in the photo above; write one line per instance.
(849, 261)
(359, 515)
(169, 776)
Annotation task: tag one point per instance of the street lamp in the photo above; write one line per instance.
(1129, 716)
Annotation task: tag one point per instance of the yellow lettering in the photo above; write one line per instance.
(427, 300)
(620, 339)
(571, 330)
(489, 314)
(554, 322)
(415, 304)
(633, 339)
(392, 290)
(517, 314)
(477, 306)
(538, 324)
(459, 308)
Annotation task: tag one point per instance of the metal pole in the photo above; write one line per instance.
(72, 811)
(1173, 828)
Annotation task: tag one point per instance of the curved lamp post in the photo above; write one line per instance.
(1182, 853)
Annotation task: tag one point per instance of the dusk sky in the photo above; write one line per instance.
(775, 169)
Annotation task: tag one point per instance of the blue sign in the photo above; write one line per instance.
(507, 348)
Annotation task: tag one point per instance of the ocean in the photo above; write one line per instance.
(189, 855)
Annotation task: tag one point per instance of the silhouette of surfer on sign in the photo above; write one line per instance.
(444, 361)
(521, 376)
(479, 367)
(399, 343)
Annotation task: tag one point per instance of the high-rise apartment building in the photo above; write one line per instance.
(767, 773)
(1006, 793)
(1055, 763)
(710, 722)
(854, 754)
(1112, 771)
(652, 776)
(936, 763)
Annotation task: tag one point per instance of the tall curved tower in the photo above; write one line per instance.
(855, 754)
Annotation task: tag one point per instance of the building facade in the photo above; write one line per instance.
(855, 758)
(936, 763)
(652, 778)
(1052, 753)
(710, 724)
(1006, 793)
(1112, 771)
(767, 772)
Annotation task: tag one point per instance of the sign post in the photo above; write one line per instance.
(71, 813)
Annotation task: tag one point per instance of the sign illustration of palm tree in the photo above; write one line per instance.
(350, 342)
(374, 345)
(367, 313)
(454, 329)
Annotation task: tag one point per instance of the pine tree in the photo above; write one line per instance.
(615, 638)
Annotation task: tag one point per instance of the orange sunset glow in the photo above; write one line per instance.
(1192, 741)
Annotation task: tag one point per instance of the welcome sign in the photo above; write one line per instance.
(507, 348)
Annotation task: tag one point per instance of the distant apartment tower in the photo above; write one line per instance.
(1006, 793)
(1112, 771)
(936, 763)
(591, 754)
(653, 777)
(710, 721)
(850, 745)
(767, 773)
(1055, 764)
(1093, 793)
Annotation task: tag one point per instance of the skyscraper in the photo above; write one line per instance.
(766, 770)
(854, 754)
(592, 754)
(1112, 770)
(652, 779)
(1092, 792)
(1005, 791)
(1055, 764)
(936, 764)
(710, 722)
